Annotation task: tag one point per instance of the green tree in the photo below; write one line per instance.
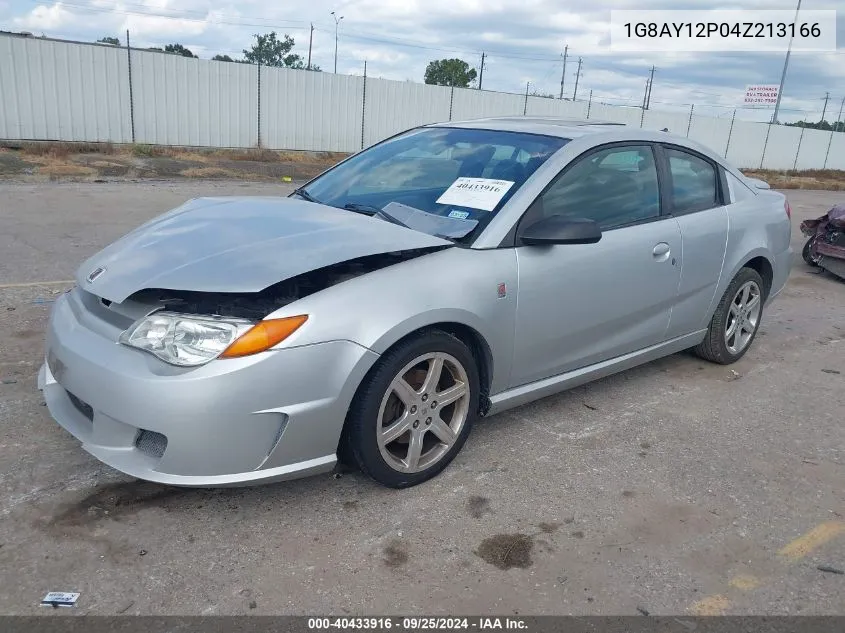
(222, 58)
(271, 51)
(109, 40)
(179, 50)
(450, 72)
(837, 126)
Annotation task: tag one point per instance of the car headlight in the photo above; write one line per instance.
(188, 340)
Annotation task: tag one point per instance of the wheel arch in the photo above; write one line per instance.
(764, 268)
(460, 328)
(758, 260)
(468, 334)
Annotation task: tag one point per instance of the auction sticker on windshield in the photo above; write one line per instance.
(475, 193)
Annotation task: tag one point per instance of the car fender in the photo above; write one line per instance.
(473, 288)
(728, 275)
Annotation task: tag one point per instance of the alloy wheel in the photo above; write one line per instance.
(423, 412)
(743, 317)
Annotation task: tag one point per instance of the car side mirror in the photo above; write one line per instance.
(560, 229)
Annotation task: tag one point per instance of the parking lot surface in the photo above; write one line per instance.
(676, 487)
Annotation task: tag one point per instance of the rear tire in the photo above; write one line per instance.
(396, 430)
(807, 253)
(736, 321)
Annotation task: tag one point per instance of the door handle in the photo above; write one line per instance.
(661, 251)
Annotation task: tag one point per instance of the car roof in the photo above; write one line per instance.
(595, 131)
(548, 126)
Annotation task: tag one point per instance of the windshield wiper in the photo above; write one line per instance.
(366, 209)
(373, 210)
(302, 193)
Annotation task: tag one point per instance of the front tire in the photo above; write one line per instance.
(413, 412)
(736, 320)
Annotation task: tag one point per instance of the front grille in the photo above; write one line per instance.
(83, 407)
(151, 443)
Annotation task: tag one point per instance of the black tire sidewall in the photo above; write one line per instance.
(362, 421)
(806, 253)
(743, 276)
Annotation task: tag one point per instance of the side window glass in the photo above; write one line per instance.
(615, 186)
(693, 182)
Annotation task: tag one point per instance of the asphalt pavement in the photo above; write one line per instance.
(676, 487)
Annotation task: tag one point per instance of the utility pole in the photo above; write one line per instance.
(525, 107)
(131, 100)
(824, 109)
(481, 74)
(563, 73)
(577, 75)
(785, 66)
(832, 131)
(645, 93)
(650, 84)
(310, 42)
(336, 22)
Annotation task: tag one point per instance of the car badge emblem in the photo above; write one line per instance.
(502, 291)
(94, 274)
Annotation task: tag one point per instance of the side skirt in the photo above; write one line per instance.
(549, 386)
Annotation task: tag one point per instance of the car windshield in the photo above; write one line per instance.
(443, 181)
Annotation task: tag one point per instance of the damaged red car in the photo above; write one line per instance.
(826, 246)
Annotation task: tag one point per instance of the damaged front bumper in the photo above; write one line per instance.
(272, 416)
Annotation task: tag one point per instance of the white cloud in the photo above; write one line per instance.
(46, 18)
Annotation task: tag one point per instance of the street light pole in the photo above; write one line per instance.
(336, 22)
(785, 66)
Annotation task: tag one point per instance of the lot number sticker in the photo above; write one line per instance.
(475, 193)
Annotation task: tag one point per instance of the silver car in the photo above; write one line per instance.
(446, 274)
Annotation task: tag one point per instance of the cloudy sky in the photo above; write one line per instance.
(523, 39)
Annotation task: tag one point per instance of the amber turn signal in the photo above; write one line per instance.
(263, 335)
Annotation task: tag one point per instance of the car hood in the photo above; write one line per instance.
(242, 244)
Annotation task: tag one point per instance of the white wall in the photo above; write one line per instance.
(782, 146)
(813, 146)
(63, 92)
(836, 158)
(52, 90)
(310, 110)
(472, 104)
(198, 102)
(394, 106)
(746, 145)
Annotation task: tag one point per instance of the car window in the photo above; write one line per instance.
(693, 182)
(614, 186)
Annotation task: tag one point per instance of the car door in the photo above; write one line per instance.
(580, 304)
(696, 198)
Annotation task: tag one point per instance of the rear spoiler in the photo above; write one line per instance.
(759, 184)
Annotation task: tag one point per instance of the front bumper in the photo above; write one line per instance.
(272, 416)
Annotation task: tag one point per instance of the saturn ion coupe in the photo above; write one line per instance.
(374, 314)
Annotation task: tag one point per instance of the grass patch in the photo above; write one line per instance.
(257, 155)
(210, 172)
(62, 149)
(63, 170)
(146, 151)
(820, 179)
